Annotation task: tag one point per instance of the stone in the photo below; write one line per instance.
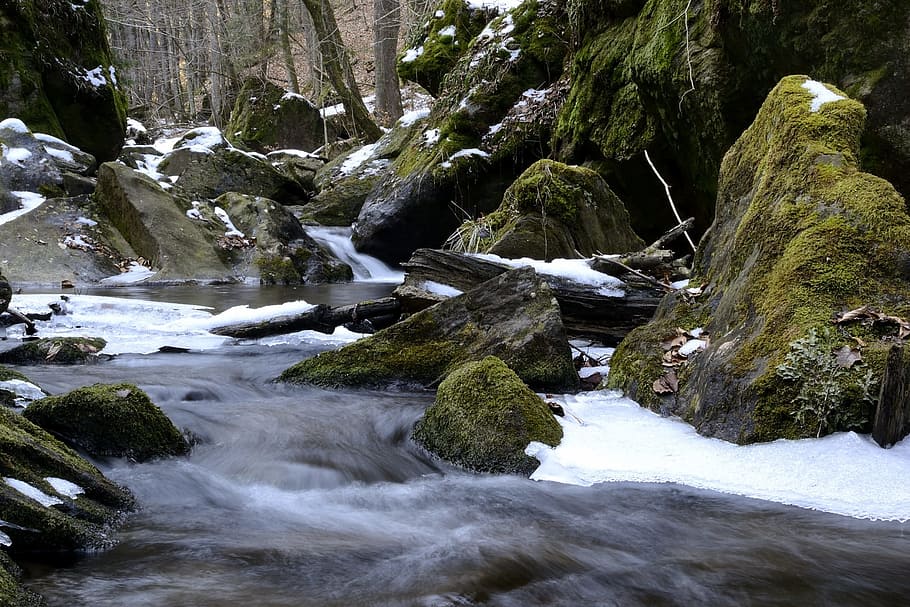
(109, 420)
(892, 412)
(266, 118)
(54, 351)
(58, 74)
(484, 417)
(800, 236)
(513, 316)
(73, 515)
(551, 211)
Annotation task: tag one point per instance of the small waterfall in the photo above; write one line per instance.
(366, 268)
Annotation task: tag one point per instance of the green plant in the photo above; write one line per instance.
(832, 394)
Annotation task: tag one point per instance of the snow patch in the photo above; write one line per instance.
(412, 54)
(14, 125)
(353, 162)
(65, 487)
(499, 5)
(136, 272)
(95, 77)
(447, 32)
(32, 492)
(572, 270)
(226, 220)
(25, 391)
(62, 155)
(438, 288)
(413, 116)
(29, 202)
(821, 94)
(16, 155)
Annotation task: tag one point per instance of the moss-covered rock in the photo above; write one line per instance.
(492, 120)
(266, 118)
(54, 350)
(484, 417)
(800, 235)
(433, 50)
(683, 80)
(11, 593)
(552, 211)
(16, 390)
(283, 252)
(58, 76)
(75, 514)
(513, 316)
(116, 420)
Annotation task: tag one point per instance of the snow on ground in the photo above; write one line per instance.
(136, 273)
(29, 202)
(821, 94)
(500, 5)
(142, 327)
(65, 487)
(609, 438)
(33, 492)
(413, 116)
(573, 270)
(353, 162)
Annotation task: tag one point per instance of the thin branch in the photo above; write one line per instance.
(669, 198)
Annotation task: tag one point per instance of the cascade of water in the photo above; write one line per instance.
(366, 268)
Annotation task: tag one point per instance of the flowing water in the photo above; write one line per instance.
(297, 496)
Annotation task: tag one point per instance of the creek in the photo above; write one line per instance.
(298, 496)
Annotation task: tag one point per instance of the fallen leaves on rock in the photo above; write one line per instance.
(869, 315)
(677, 353)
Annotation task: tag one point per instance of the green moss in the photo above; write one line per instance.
(11, 593)
(277, 270)
(484, 417)
(8, 374)
(54, 350)
(115, 420)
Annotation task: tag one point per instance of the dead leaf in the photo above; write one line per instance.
(53, 350)
(668, 384)
(846, 357)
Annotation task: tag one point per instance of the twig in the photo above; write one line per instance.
(650, 279)
(669, 198)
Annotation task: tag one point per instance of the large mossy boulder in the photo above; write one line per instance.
(267, 118)
(109, 420)
(492, 120)
(156, 226)
(552, 211)
(683, 79)
(433, 49)
(54, 351)
(283, 252)
(52, 500)
(513, 316)
(484, 417)
(801, 235)
(57, 73)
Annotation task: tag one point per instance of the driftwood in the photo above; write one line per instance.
(320, 318)
(892, 415)
(15, 316)
(584, 310)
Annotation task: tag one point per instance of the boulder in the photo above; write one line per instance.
(492, 120)
(267, 118)
(551, 211)
(52, 499)
(8, 202)
(35, 162)
(300, 167)
(58, 75)
(348, 179)
(682, 80)
(283, 252)
(484, 417)
(62, 239)
(54, 351)
(109, 420)
(445, 36)
(513, 316)
(16, 390)
(156, 226)
(801, 238)
(11, 593)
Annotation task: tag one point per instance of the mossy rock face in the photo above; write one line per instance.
(55, 351)
(492, 120)
(58, 75)
(513, 316)
(434, 49)
(552, 211)
(283, 252)
(683, 80)
(77, 521)
(484, 417)
(106, 420)
(11, 593)
(800, 235)
(266, 118)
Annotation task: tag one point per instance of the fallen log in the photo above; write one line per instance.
(585, 310)
(320, 318)
(892, 415)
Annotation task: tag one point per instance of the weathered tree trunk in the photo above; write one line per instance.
(320, 318)
(338, 67)
(584, 310)
(284, 36)
(892, 416)
(387, 22)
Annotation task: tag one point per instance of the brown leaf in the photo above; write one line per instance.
(668, 384)
(53, 350)
(846, 357)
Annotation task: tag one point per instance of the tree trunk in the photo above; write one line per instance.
(892, 416)
(387, 21)
(338, 67)
(284, 36)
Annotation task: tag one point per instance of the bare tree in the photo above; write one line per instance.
(387, 22)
